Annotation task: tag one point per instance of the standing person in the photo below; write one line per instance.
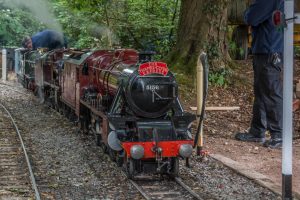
(267, 48)
(46, 39)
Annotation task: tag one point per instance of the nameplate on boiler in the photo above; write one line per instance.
(153, 68)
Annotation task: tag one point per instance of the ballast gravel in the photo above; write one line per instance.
(68, 165)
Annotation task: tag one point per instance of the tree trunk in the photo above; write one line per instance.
(202, 27)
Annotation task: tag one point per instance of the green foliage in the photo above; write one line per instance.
(220, 77)
(235, 50)
(15, 24)
(140, 24)
(297, 51)
(213, 50)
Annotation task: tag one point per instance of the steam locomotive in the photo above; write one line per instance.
(129, 102)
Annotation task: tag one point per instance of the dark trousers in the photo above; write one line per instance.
(268, 102)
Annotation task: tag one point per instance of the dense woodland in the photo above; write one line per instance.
(177, 30)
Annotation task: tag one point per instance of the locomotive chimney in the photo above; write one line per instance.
(146, 56)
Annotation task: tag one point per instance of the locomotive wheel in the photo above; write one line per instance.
(104, 147)
(72, 117)
(112, 154)
(175, 167)
(65, 111)
(130, 169)
(26, 84)
(52, 104)
(56, 107)
(61, 108)
(98, 139)
(120, 159)
(83, 125)
(36, 90)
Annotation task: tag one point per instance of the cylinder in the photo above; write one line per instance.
(4, 73)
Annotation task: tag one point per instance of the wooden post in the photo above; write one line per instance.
(4, 75)
(199, 89)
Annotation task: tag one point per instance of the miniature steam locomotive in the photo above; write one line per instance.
(129, 103)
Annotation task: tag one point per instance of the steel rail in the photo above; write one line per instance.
(34, 186)
(136, 186)
(177, 180)
(194, 194)
(147, 197)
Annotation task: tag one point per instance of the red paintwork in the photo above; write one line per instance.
(170, 148)
(153, 68)
(38, 74)
(104, 68)
(50, 64)
(48, 72)
(98, 60)
(99, 63)
(72, 74)
(111, 62)
(69, 84)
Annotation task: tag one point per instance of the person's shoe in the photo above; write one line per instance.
(248, 137)
(273, 143)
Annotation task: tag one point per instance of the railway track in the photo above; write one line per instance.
(163, 188)
(16, 180)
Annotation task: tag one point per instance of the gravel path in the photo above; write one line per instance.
(69, 165)
(214, 179)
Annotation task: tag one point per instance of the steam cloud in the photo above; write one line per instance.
(104, 33)
(39, 8)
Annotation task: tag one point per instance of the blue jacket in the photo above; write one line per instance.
(48, 39)
(266, 38)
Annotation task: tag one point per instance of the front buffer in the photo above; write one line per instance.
(157, 150)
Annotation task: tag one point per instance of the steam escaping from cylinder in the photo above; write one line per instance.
(104, 34)
(39, 8)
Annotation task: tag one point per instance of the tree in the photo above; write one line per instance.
(139, 24)
(15, 24)
(202, 27)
